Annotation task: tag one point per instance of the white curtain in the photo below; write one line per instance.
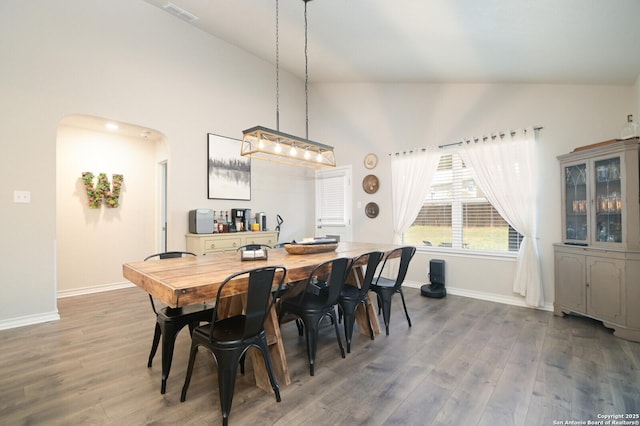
(504, 167)
(411, 175)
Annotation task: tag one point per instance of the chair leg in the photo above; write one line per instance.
(227, 368)
(193, 326)
(299, 322)
(349, 319)
(311, 334)
(332, 315)
(386, 309)
(154, 345)
(264, 348)
(405, 306)
(187, 378)
(169, 333)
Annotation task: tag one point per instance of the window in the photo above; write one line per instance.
(456, 214)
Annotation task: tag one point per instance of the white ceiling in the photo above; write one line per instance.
(462, 41)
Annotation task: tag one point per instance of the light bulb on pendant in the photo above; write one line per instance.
(293, 152)
(307, 154)
(319, 157)
(277, 148)
(260, 143)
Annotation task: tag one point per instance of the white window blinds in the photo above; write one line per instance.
(331, 198)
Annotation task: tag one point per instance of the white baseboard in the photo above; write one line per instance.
(94, 289)
(507, 300)
(29, 320)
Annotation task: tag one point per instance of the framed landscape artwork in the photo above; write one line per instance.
(228, 173)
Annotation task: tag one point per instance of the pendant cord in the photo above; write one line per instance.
(306, 72)
(277, 68)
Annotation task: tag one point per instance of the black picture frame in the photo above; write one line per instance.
(228, 173)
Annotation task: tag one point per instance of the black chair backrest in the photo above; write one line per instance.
(372, 260)
(333, 273)
(166, 255)
(258, 299)
(170, 255)
(338, 275)
(406, 254)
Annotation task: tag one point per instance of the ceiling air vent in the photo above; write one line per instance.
(179, 12)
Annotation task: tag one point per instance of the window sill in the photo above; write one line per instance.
(511, 256)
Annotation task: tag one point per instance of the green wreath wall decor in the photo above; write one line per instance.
(103, 191)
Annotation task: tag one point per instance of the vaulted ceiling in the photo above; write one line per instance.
(461, 41)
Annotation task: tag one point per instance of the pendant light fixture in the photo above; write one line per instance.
(273, 145)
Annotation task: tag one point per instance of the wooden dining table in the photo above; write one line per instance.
(191, 280)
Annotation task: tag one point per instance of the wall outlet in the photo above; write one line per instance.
(23, 197)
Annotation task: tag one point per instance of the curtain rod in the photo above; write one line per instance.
(410, 151)
(484, 138)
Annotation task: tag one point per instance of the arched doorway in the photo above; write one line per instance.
(92, 243)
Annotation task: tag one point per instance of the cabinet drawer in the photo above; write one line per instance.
(220, 244)
(261, 239)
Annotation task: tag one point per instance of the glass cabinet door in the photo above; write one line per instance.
(608, 199)
(576, 204)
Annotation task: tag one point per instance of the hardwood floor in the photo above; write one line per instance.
(464, 362)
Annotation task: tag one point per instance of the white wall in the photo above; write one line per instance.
(131, 62)
(385, 118)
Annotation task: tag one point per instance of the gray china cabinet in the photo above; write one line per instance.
(597, 265)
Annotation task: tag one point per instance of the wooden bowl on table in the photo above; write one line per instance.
(309, 248)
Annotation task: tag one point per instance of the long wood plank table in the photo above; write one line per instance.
(191, 280)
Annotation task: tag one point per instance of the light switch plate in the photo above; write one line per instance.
(23, 197)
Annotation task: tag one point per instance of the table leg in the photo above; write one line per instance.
(361, 316)
(276, 351)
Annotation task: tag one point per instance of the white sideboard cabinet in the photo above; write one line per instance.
(212, 243)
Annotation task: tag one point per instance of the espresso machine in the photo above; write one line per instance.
(240, 219)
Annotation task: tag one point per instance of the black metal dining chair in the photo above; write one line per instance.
(169, 322)
(229, 339)
(353, 296)
(385, 288)
(317, 299)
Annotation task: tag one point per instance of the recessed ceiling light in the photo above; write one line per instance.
(180, 12)
(111, 126)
